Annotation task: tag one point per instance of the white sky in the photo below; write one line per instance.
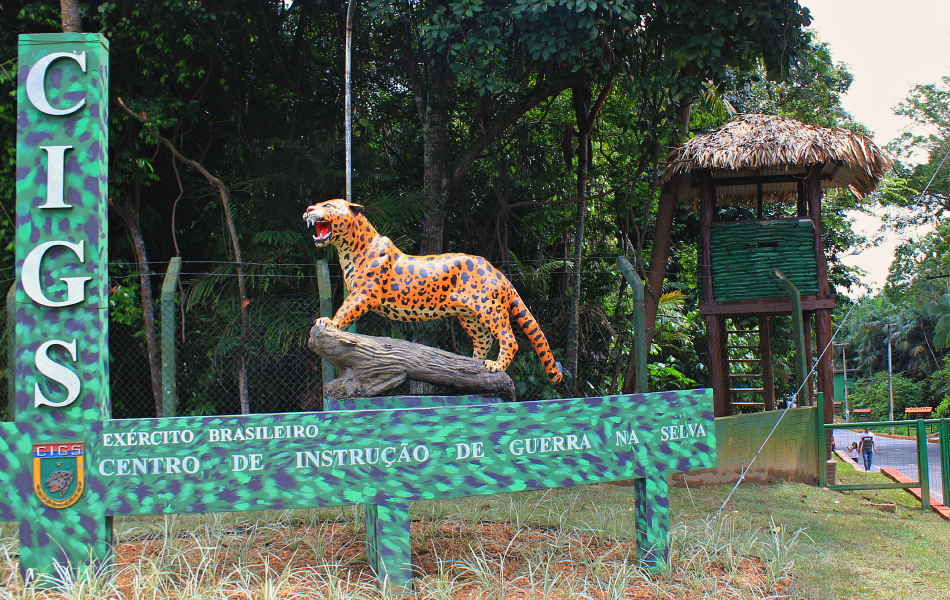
(889, 46)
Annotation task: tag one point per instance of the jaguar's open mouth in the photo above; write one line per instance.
(323, 229)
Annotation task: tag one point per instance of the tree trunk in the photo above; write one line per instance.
(662, 239)
(69, 11)
(581, 97)
(369, 366)
(129, 212)
(436, 113)
(235, 245)
(586, 116)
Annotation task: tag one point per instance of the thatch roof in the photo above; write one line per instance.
(754, 145)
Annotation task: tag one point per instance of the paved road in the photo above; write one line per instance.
(897, 454)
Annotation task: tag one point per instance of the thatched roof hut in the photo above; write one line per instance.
(774, 150)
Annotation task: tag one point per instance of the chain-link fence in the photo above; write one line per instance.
(219, 360)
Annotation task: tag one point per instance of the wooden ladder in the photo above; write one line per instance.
(744, 387)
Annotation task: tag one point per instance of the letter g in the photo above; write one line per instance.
(31, 275)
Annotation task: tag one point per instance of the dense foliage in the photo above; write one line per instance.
(467, 121)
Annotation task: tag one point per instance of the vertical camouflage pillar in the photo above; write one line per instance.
(61, 354)
(653, 519)
(388, 548)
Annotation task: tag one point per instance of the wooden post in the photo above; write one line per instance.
(715, 336)
(823, 330)
(707, 215)
(765, 356)
(809, 355)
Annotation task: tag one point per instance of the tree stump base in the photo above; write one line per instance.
(369, 366)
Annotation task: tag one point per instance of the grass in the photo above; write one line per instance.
(775, 541)
(852, 550)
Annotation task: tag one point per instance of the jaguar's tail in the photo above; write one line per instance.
(531, 329)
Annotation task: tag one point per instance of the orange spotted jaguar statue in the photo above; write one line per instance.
(402, 287)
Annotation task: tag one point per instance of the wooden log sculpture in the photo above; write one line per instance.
(368, 366)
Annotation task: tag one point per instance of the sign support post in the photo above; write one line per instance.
(61, 347)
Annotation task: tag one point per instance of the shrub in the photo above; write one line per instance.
(872, 392)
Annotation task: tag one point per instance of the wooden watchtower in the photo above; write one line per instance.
(749, 161)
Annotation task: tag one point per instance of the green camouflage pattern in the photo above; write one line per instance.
(390, 457)
(48, 535)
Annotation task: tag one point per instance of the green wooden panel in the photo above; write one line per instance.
(744, 253)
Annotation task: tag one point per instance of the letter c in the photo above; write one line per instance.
(31, 275)
(36, 80)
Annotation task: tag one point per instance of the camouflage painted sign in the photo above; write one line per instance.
(387, 458)
(66, 468)
(60, 346)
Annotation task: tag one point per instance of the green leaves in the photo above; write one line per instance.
(942, 329)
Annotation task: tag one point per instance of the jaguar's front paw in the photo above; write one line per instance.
(326, 322)
(494, 366)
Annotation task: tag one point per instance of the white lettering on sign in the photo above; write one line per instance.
(276, 432)
(682, 432)
(148, 438)
(159, 465)
(55, 174)
(30, 275)
(473, 450)
(546, 445)
(36, 83)
(389, 456)
(247, 462)
(57, 372)
(625, 438)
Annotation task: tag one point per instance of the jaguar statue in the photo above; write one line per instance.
(403, 287)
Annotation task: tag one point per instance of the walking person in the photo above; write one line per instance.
(854, 452)
(867, 448)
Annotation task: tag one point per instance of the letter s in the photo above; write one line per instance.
(31, 275)
(56, 372)
(36, 83)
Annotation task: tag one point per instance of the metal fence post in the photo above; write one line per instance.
(822, 440)
(11, 352)
(326, 309)
(639, 323)
(923, 465)
(169, 354)
(798, 331)
(944, 428)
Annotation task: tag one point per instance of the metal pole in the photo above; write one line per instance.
(890, 377)
(639, 323)
(169, 360)
(944, 428)
(844, 366)
(11, 353)
(326, 309)
(798, 330)
(348, 102)
(923, 465)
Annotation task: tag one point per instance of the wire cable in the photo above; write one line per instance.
(745, 470)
